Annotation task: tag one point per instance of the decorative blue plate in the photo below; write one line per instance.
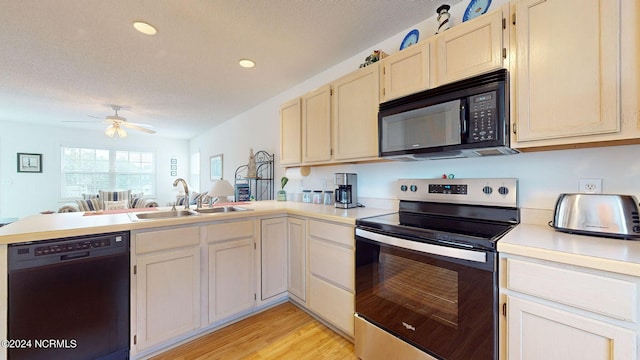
(475, 9)
(410, 39)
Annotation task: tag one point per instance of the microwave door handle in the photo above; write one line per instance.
(463, 117)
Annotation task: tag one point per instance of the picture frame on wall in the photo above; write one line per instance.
(216, 167)
(29, 163)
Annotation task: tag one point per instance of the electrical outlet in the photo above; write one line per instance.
(590, 186)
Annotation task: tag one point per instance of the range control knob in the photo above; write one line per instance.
(487, 190)
(413, 188)
(503, 190)
(403, 187)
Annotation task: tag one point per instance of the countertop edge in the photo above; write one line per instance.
(53, 226)
(616, 266)
(544, 243)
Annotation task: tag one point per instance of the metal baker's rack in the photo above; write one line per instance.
(262, 186)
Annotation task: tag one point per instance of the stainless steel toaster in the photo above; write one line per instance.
(598, 214)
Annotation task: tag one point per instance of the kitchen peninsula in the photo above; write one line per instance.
(226, 265)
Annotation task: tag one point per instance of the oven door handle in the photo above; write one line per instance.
(462, 254)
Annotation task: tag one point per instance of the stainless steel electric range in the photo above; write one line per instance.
(427, 276)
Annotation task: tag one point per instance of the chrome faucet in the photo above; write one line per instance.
(186, 191)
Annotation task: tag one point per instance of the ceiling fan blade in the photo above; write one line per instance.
(137, 127)
(96, 117)
(82, 121)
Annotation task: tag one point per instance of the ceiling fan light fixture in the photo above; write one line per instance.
(110, 131)
(115, 129)
(121, 133)
(145, 28)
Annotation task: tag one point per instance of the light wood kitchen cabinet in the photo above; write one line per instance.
(230, 270)
(167, 285)
(557, 311)
(291, 133)
(316, 126)
(354, 104)
(339, 121)
(406, 72)
(273, 255)
(567, 71)
(331, 273)
(297, 259)
(471, 48)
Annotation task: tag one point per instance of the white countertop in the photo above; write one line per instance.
(52, 226)
(533, 240)
(543, 242)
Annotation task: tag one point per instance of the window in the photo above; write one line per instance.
(85, 171)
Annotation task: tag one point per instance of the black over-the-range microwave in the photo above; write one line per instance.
(466, 118)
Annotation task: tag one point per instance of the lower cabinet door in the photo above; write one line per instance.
(231, 282)
(331, 303)
(273, 256)
(537, 331)
(296, 258)
(168, 295)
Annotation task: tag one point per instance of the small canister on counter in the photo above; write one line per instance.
(306, 196)
(328, 197)
(317, 196)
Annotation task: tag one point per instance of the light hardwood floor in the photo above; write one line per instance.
(282, 332)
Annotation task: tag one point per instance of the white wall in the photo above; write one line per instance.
(542, 175)
(23, 194)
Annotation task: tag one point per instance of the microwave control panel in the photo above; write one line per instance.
(483, 117)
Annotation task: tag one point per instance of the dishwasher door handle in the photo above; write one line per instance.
(74, 256)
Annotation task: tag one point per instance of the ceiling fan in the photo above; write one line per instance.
(117, 124)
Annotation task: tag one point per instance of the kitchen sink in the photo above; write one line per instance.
(221, 209)
(162, 214)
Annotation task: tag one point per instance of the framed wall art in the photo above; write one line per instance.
(216, 167)
(29, 163)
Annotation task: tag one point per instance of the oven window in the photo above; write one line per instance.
(426, 289)
(446, 307)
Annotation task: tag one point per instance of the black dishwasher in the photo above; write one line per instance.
(69, 298)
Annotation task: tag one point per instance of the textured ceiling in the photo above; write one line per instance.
(62, 60)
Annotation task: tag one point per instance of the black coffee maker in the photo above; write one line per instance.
(346, 194)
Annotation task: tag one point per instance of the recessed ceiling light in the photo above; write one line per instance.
(246, 63)
(144, 28)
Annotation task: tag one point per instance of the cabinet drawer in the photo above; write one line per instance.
(332, 262)
(608, 296)
(230, 230)
(331, 303)
(167, 239)
(341, 234)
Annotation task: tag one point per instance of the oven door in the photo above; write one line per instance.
(441, 299)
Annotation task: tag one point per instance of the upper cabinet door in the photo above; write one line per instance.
(290, 133)
(355, 114)
(406, 72)
(568, 68)
(316, 125)
(470, 48)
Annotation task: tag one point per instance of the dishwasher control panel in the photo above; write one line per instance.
(48, 252)
(71, 246)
